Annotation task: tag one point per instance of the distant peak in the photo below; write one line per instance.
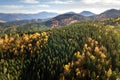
(87, 13)
(111, 10)
(70, 12)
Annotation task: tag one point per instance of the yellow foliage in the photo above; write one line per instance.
(1, 41)
(77, 70)
(77, 54)
(67, 68)
(92, 57)
(89, 39)
(78, 73)
(96, 42)
(96, 50)
(6, 38)
(26, 38)
(43, 33)
(5, 70)
(37, 43)
(11, 39)
(37, 34)
(109, 72)
(85, 46)
(99, 37)
(102, 55)
(30, 45)
(88, 53)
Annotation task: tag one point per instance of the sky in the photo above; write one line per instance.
(59, 6)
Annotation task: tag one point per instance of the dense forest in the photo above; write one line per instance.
(85, 50)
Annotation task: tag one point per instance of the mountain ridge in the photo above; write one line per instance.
(68, 18)
(87, 13)
(65, 19)
(55, 19)
(111, 13)
(8, 17)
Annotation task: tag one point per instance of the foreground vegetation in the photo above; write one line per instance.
(84, 50)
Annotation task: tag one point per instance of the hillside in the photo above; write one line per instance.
(112, 13)
(59, 39)
(65, 19)
(81, 51)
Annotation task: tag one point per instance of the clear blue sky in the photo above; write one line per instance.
(59, 6)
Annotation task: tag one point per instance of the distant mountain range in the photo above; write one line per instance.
(51, 19)
(16, 17)
(70, 17)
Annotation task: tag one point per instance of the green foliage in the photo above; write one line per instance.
(16, 50)
(12, 28)
(90, 64)
(48, 62)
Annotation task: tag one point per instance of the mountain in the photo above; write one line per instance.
(15, 17)
(54, 19)
(112, 13)
(70, 12)
(44, 15)
(10, 17)
(21, 22)
(87, 13)
(71, 17)
(1, 21)
(65, 19)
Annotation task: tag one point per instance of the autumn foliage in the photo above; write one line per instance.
(91, 63)
(86, 50)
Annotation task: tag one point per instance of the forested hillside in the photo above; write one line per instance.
(86, 50)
